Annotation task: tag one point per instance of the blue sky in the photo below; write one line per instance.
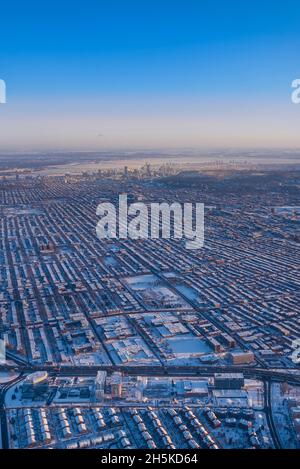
(149, 73)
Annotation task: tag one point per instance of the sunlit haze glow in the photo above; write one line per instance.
(132, 74)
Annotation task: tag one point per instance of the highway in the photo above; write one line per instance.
(269, 414)
(266, 375)
(160, 370)
(3, 422)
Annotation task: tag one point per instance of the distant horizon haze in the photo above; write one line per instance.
(111, 75)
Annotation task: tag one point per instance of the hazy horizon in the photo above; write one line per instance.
(111, 76)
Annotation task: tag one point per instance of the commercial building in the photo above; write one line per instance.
(100, 385)
(241, 358)
(229, 380)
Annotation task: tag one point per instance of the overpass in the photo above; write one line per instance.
(160, 370)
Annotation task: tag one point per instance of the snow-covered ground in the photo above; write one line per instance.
(281, 417)
(7, 376)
